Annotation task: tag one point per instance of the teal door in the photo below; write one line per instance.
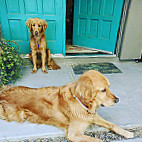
(96, 23)
(14, 13)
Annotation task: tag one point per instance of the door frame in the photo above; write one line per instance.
(64, 28)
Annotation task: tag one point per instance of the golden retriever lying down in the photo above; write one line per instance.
(72, 107)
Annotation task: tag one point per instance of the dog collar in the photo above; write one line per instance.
(37, 44)
(82, 104)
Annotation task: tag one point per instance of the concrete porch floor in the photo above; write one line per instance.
(126, 85)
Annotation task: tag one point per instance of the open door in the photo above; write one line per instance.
(96, 23)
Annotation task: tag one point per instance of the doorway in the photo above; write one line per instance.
(70, 48)
(92, 26)
(69, 21)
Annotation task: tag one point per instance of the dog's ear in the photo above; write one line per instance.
(29, 24)
(83, 89)
(44, 25)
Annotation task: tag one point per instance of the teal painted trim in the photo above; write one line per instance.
(0, 24)
(59, 32)
(64, 28)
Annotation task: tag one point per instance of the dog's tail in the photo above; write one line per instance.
(54, 65)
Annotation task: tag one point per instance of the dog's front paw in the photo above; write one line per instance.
(129, 135)
(33, 71)
(45, 71)
(98, 140)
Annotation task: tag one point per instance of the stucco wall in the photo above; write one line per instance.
(131, 47)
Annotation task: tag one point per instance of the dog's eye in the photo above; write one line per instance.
(38, 25)
(104, 90)
(33, 25)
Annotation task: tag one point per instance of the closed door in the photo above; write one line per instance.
(96, 23)
(14, 13)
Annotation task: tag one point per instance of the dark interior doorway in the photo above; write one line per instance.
(69, 21)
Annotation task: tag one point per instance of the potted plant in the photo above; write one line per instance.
(10, 62)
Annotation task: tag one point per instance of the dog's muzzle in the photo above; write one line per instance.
(36, 33)
(116, 100)
(102, 105)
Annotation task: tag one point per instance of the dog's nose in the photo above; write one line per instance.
(116, 100)
(36, 33)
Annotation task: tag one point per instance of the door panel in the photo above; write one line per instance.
(14, 13)
(31, 7)
(96, 23)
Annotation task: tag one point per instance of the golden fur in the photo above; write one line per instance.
(57, 106)
(40, 54)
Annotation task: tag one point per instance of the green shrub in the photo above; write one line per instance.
(10, 62)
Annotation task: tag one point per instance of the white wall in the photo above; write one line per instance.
(132, 39)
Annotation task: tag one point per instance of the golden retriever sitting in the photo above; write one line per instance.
(40, 54)
(72, 107)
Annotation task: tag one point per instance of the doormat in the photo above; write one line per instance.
(105, 68)
(78, 50)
